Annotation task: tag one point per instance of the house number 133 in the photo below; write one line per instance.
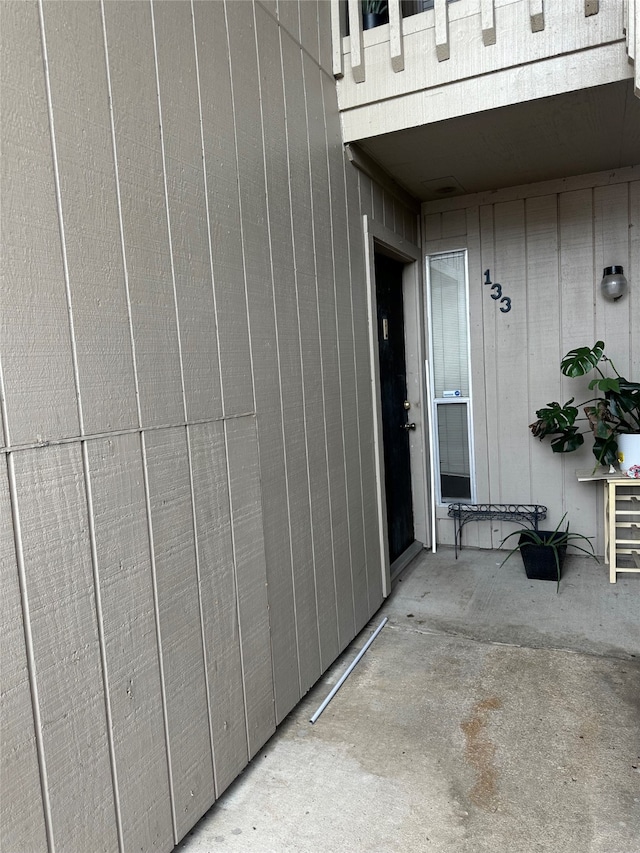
(505, 301)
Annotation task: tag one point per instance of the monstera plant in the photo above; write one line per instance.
(614, 411)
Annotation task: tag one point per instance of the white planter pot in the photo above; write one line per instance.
(629, 454)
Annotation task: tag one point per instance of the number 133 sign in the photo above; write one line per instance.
(505, 301)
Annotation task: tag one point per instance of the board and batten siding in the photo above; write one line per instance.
(189, 529)
(547, 245)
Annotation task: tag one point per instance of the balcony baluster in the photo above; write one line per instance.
(396, 43)
(488, 21)
(632, 34)
(356, 40)
(441, 11)
(440, 22)
(536, 15)
(336, 40)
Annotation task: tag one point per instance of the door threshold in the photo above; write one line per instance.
(401, 563)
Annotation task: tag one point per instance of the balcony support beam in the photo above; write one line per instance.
(488, 21)
(396, 45)
(633, 42)
(336, 40)
(443, 48)
(356, 40)
(536, 15)
(631, 23)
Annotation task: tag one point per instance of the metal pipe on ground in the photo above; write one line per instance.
(349, 670)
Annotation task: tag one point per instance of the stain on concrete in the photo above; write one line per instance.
(479, 753)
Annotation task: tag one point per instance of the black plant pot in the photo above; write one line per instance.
(540, 560)
(374, 19)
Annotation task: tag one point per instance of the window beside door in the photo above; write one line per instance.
(447, 301)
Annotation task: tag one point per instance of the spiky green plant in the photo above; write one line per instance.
(374, 7)
(559, 538)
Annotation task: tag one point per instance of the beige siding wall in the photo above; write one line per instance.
(547, 245)
(189, 530)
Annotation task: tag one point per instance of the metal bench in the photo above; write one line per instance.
(462, 513)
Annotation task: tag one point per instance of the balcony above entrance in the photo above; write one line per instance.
(466, 56)
(473, 95)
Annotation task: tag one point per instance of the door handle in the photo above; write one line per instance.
(408, 426)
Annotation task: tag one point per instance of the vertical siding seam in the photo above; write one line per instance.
(235, 585)
(322, 366)
(319, 42)
(297, 38)
(125, 268)
(167, 209)
(206, 197)
(31, 657)
(63, 241)
(76, 376)
(282, 27)
(487, 432)
(296, 278)
(253, 392)
(485, 425)
(315, 276)
(205, 661)
(242, 239)
(340, 357)
(182, 382)
(102, 643)
(273, 668)
(495, 360)
(143, 448)
(563, 460)
(4, 412)
(559, 262)
(527, 315)
(156, 607)
(278, 357)
(217, 333)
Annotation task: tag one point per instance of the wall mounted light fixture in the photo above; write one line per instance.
(613, 285)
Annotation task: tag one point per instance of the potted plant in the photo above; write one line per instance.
(614, 417)
(374, 13)
(543, 551)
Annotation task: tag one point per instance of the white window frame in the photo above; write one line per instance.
(436, 402)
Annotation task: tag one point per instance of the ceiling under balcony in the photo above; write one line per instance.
(575, 133)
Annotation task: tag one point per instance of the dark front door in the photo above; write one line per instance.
(393, 393)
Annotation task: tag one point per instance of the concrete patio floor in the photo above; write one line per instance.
(490, 714)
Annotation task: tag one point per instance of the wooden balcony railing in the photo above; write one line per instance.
(487, 33)
(632, 32)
